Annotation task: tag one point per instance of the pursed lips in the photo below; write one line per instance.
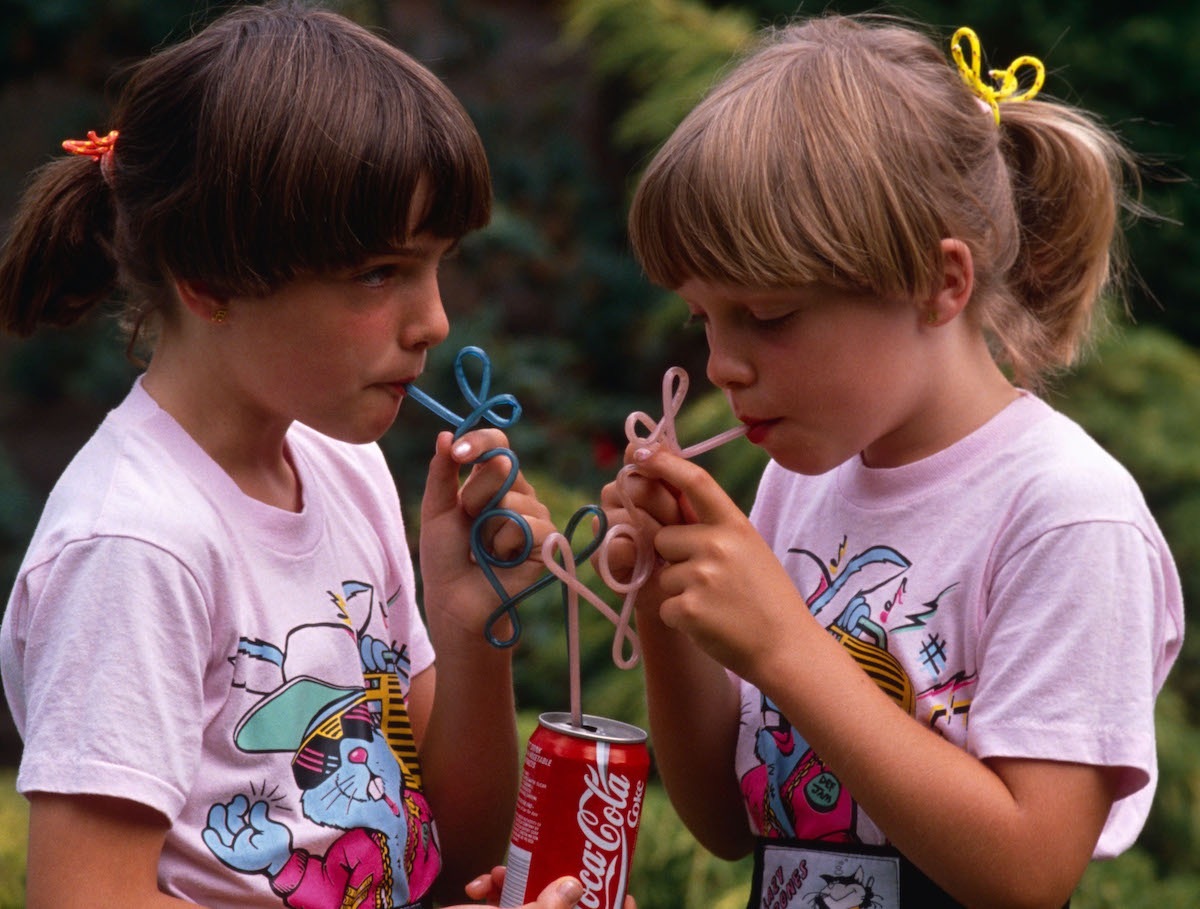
(398, 387)
(758, 429)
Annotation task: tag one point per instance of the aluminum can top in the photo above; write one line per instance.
(596, 728)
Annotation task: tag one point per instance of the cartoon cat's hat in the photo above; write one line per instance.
(283, 720)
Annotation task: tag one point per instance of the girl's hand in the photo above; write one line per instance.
(722, 584)
(450, 571)
(636, 501)
(561, 894)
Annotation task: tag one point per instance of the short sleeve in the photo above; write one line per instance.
(1072, 654)
(109, 648)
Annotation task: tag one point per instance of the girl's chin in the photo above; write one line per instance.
(808, 461)
(365, 429)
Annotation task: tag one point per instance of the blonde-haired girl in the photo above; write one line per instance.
(925, 668)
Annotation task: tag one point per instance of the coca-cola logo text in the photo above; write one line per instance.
(605, 818)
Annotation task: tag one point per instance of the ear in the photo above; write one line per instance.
(200, 301)
(958, 280)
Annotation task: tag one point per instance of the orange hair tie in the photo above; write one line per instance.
(99, 147)
(93, 146)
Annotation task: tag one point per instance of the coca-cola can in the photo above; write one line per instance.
(578, 809)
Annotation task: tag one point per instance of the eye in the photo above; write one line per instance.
(773, 322)
(377, 276)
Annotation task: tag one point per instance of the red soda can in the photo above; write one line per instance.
(578, 809)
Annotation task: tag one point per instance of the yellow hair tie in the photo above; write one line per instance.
(1007, 78)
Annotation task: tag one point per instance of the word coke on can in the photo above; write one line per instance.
(578, 809)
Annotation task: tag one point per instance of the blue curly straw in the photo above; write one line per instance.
(484, 407)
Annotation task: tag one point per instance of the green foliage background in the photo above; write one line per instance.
(571, 97)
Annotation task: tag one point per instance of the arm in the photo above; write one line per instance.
(694, 713)
(95, 852)
(997, 833)
(463, 714)
(1005, 833)
(692, 702)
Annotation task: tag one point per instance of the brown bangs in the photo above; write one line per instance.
(302, 152)
(398, 136)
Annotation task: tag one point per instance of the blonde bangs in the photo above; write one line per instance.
(803, 166)
(713, 206)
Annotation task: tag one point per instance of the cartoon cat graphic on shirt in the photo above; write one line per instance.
(852, 891)
(352, 776)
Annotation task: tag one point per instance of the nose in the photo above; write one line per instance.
(424, 322)
(728, 366)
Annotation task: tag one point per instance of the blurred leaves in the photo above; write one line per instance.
(14, 824)
(1138, 394)
(667, 53)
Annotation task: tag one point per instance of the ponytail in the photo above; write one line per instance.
(57, 262)
(278, 142)
(1071, 178)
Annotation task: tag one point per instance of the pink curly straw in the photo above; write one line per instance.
(662, 434)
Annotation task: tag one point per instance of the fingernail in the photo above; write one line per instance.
(461, 450)
(642, 454)
(570, 891)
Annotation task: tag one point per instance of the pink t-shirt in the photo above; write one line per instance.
(241, 669)
(1012, 592)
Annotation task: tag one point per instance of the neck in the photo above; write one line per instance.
(965, 389)
(250, 449)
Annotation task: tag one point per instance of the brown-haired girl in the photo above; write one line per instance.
(213, 649)
(925, 667)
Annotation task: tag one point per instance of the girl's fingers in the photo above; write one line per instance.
(485, 479)
(506, 539)
(692, 488)
(441, 483)
(487, 886)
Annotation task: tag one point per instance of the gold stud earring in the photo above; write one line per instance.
(220, 315)
(932, 317)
